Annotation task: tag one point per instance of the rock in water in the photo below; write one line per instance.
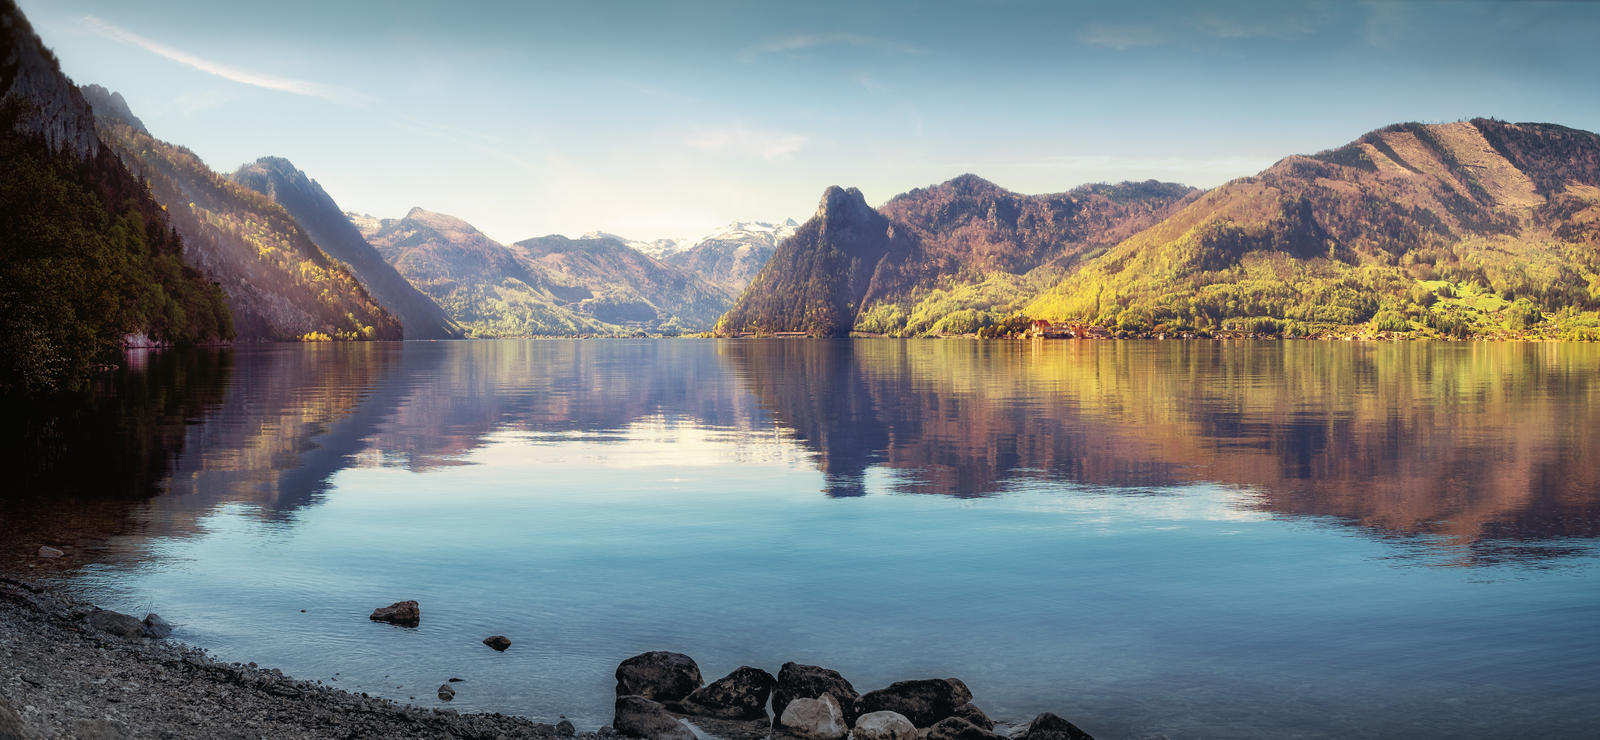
(498, 642)
(403, 613)
(565, 728)
(799, 681)
(47, 551)
(971, 713)
(923, 701)
(956, 728)
(659, 676)
(1048, 726)
(116, 623)
(155, 626)
(815, 719)
(884, 726)
(640, 717)
(741, 694)
(446, 692)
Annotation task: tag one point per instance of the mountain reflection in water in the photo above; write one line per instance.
(1482, 451)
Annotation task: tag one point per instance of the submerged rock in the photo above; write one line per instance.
(498, 642)
(815, 719)
(800, 681)
(403, 613)
(116, 623)
(47, 551)
(638, 716)
(658, 675)
(923, 701)
(741, 694)
(1048, 726)
(446, 692)
(155, 626)
(884, 726)
(956, 728)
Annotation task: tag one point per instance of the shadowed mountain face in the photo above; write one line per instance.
(87, 257)
(627, 287)
(1474, 227)
(1463, 453)
(325, 223)
(280, 285)
(948, 259)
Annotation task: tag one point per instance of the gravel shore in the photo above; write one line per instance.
(61, 678)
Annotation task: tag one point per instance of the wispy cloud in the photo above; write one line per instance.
(242, 76)
(805, 41)
(1121, 38)
(747, 142)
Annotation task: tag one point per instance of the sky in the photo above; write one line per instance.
(669, 119)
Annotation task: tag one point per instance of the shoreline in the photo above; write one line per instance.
(62, 678)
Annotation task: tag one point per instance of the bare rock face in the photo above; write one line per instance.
(155, 626)
(923, 701)
(1048, 726)
(116, 623)
(956, 728)
(884, 726)
(637, 716)
(799, 681)
(403, 613)
(658, 675)
(741, 694)
(815, 719)
(498, 642)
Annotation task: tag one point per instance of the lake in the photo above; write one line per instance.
(1179, 539)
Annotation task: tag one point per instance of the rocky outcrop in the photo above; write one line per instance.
(815, 719)
(1048, 726)
(884, 726)
(636, 716)
(923, 701)
(402, 613)
(658, 675)
(116, 623)
(155, 626)
(46, 103)
(800, 681)
(956, 728)
(741, 694)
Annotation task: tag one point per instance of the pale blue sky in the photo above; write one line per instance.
(668, 119)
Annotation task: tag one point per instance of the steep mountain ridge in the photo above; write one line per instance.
(280, 285)
(1462, 228)
(966, 253)
(730, 257)
(322, 219)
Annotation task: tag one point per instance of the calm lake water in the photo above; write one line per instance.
(1181, 539)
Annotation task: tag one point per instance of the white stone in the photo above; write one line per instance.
(884, 725)
(816, 719)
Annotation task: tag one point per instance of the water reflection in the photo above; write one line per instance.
(1484, 448)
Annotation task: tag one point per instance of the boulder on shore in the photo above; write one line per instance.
(446, 692)
(884, 726)
(155, 626)
(956, 728)
(638, 716)
(658, 675)
(800, 681)
(741, 694)
(971, 713)
(565, 728)
(498, 642)
(403, 613)
(815, 719)
(1048, 726)
(116, 623)
(924, 701)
